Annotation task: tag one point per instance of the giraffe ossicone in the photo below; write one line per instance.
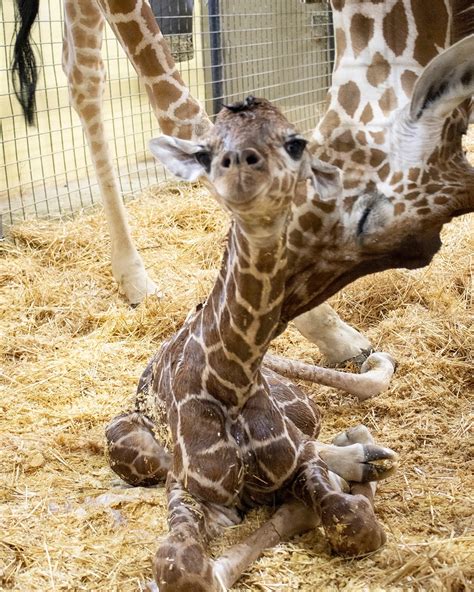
(240, 434)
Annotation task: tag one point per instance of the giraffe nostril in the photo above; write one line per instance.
(251, 157)
(226, 162)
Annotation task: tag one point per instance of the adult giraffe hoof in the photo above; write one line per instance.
(133, 280)
(350, 524)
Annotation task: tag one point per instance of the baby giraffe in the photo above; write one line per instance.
(240, 434)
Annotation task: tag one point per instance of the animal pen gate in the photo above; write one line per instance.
(224, 49)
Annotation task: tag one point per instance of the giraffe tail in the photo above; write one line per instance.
(134, 453)
(24, 70)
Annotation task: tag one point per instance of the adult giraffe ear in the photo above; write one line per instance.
(325, 178)
(183, 158)
(445, 82)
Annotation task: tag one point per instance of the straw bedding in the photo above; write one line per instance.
(72, 351)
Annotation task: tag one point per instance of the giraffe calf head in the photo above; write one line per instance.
(252, 160)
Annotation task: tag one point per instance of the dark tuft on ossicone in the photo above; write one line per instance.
(246, 105)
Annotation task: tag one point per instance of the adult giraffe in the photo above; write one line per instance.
(177, 113)
(400, 102)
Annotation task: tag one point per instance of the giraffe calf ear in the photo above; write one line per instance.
(326, 179)
(445, 82)
(178, 156)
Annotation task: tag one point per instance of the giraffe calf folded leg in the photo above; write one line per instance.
(134, 452)
(348, 520)
(374, 378)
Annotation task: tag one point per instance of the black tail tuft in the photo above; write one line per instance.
(24, 70)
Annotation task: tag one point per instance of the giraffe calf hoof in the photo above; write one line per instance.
(182, 565)
(360, 462)
(350, 525)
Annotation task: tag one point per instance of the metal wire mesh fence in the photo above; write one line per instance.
(225, 50)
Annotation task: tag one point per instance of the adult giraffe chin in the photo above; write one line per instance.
(178, 114)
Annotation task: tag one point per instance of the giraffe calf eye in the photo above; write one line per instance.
(204, 158)
(295, 147)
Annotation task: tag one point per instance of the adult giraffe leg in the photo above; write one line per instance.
(84, 68)
(177, 112)
(336, 340)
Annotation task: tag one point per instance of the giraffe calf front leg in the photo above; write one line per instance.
(348, 520)
(182, 562)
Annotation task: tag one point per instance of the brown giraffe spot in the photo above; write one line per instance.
(309, 221)
(296, 238)
(330, 122)
(216, 388)
(384, 171)
(338, 4)
(71, 11)
(90, 111)
(431, 26)
(340, 44)
(361, 138)
(379, 137)
(388, 101)
(267, 322)
(130, 34)
(187, 110)
(167, 126)
(362, 31)
(441, 200)
(77, 76)
(148, 63)
(234, 372)
(349, 202)
(338, 162)
(395, 28)
(421, 202)
(411, 195)
(351, 184)
(376, 157)
(359, 156)
(344, 142)
(184, 132)
(122, 6)
(413, 173)
(399, 209)
(349, 97)
(378, 70)
(399, 188)
(408, 79)
(165, 93)
(424, 211)
(326, 206)
(425, 177)
(367, 114)
(433, 188)
(396, 177)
